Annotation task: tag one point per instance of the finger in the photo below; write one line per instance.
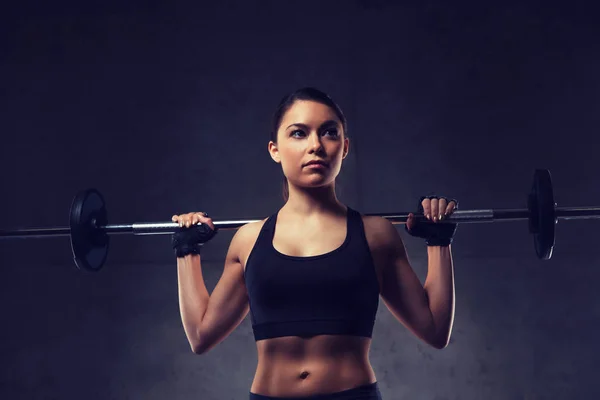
(210, 223)
(450, 208)
(206, 220)
(198, 218)
(190, 219)
(174, 218)
(426, 204)
(410, 222)
(443, 203)
(434, 209)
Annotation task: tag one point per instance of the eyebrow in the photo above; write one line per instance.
(326, 123)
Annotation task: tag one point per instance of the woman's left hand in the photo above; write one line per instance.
(435, 209)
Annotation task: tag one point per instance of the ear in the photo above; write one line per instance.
(346, 147)
(274, 151)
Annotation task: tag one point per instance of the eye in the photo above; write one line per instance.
(332, 132)
(297, 132)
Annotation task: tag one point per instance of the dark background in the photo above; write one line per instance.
(166, 109)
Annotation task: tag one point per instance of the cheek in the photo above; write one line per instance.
(289, 152)
(337, 149)
(289, 159)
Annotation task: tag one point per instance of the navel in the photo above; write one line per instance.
(304, 374)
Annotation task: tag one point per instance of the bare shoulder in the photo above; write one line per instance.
(247, 231)
(380, 232)
(244, 239)
(384, 241)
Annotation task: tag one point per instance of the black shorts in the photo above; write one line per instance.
(365, 392)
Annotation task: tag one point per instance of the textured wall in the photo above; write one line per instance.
(167, 110)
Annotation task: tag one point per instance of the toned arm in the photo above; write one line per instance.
(227, 305)
(401, 290)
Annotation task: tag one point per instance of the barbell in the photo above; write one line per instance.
(89, 229)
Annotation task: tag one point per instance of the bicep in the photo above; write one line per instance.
(401, 291)
(228, 303)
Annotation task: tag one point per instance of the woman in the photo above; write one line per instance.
(311, 274)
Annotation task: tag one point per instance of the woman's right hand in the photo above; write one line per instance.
(189, 219)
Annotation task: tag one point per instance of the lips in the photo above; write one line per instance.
(317, 162)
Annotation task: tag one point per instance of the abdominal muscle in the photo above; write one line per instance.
(295, 366)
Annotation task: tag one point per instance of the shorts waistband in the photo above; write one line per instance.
(364, 392)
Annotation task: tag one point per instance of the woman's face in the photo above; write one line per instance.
(310, 131)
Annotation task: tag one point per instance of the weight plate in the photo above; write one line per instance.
(89, 244)
(542, 214)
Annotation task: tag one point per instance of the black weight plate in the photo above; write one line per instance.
(89, 244)
(542, 214)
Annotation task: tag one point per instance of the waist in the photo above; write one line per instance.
(291, 375)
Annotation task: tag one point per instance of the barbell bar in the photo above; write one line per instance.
(89, 229)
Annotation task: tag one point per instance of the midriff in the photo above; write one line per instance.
(294, 366)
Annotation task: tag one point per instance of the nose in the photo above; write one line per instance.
(314, 143)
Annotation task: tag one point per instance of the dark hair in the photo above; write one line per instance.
(307, 93)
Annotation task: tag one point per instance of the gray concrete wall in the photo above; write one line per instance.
(167, 110)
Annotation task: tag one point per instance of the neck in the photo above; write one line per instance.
(311, 201)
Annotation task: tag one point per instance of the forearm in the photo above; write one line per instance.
(439, 286)
(193, 295)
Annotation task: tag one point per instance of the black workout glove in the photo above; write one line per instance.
(189, 240)
(435, 234)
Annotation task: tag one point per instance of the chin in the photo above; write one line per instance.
(315, 183)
